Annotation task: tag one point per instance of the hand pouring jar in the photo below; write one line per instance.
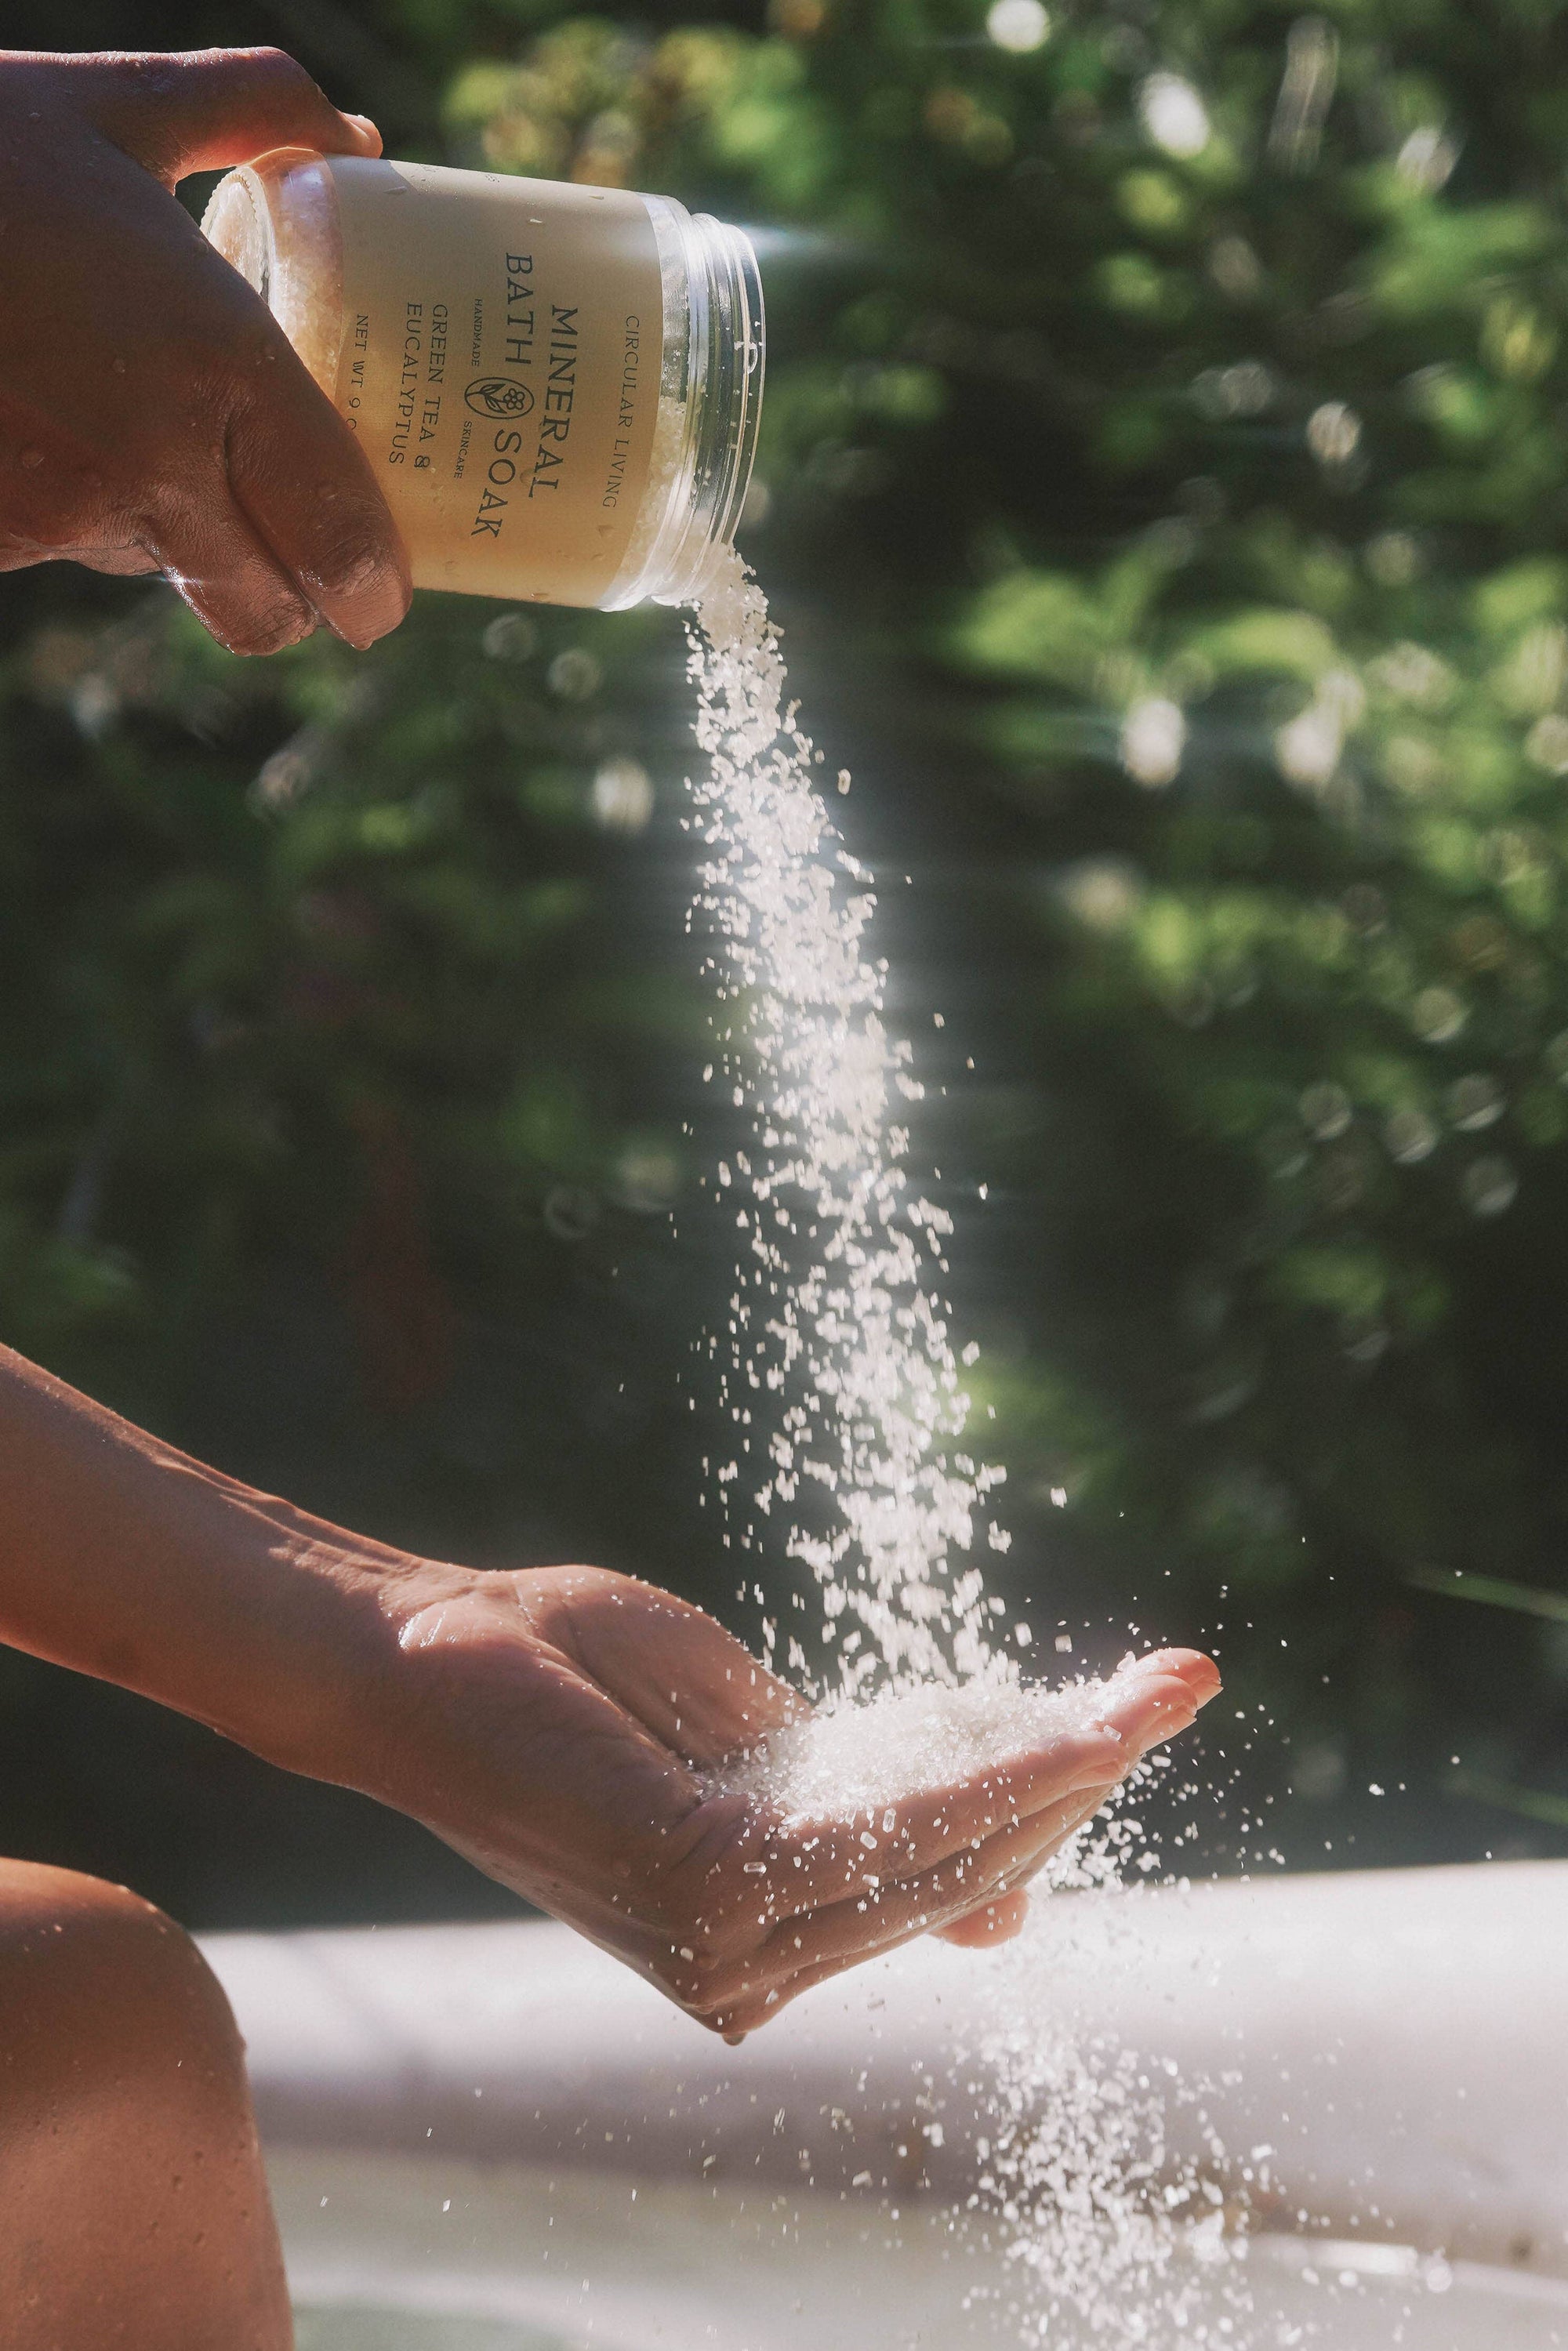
(557, 387)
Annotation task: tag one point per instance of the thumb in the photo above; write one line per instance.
(203, 109)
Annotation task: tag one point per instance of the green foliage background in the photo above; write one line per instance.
(1174, 545)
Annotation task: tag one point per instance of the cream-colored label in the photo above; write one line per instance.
(502, 342)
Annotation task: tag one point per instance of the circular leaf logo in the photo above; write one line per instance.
(498, 395)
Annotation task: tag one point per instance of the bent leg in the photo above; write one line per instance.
(133, 2207)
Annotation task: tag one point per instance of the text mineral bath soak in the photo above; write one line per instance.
(558, 387)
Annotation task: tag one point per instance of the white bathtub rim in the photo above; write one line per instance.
(1368, 2005)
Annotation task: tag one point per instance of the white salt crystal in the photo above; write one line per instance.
(836, 1316)
(853, 1469)
(848, 1758)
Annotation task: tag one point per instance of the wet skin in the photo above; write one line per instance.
(550, 1723)
(133, 2207)
(152, 416)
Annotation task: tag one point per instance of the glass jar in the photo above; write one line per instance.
(558, 387)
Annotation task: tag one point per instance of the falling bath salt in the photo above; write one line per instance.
(838, 1341)
(841, 1380)
(848, 1757)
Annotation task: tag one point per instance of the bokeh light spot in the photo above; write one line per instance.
(1173, 115)
(1018, 25)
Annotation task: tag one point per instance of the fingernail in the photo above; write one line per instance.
(360, 643)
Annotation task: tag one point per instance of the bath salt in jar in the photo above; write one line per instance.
(558, 387)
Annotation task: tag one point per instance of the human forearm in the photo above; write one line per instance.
(553, 1724)
(126, 1559)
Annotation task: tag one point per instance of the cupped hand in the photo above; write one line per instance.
(153, 415)
(555, 1725)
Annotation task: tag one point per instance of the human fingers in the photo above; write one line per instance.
(304, 486)
(675, 1668)
(832, 1892)
(1158, 1714)
(976, 1889)
(993, 1922)
(203, 109)
(1149, 1699)
(977, 1926)
(747, 1991)
(1199, 1672)
(996, 1920)
(809, 1863)
(230, 578)
(843, 1932)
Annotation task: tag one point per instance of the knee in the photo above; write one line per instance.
(131, 2185)
(103, 1998)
